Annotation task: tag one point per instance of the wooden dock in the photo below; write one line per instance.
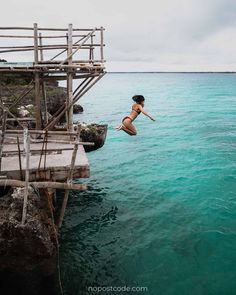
(49, 155)
(57, 166)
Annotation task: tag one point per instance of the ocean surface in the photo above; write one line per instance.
(160, 209)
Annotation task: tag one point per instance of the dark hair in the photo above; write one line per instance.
(138, 98)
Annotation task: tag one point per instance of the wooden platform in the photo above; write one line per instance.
(58, 162)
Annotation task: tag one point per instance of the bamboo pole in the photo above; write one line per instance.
(35, 152)
(27, 159)
(44, 37)
(102, 44)
(19, 156)
(70, 81)
(76, 61)
(63, 141)
(40, 132)
(43, 184)
(37, 81)
(45, 29)
(91, 51)
(21, 119)
(4, 122)
(43, 83)
(47, 46)
(38, 67)
(80, 85)
(69, 178)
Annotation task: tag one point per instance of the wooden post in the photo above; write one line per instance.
(4, 122)
(91, 51)
(70, 81)
(102, 43)
(37, 81)
(27, 159)
(43, 84)
(69, 178)
(36, 53)
(19, 157)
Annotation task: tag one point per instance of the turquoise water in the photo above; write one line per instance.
(160, 211)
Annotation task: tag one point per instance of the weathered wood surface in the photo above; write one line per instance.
(43, 184)
(57, 168)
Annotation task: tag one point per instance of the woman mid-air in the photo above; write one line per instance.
(137, 108)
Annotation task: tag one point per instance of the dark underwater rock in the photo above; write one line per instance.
(93, 133)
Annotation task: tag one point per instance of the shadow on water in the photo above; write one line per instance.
(87, 243)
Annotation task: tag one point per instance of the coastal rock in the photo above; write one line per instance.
(77, 108)
(93, 133)
(27, 250)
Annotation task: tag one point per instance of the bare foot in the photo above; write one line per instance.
(118, 128)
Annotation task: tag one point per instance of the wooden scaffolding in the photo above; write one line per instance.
(55, 62)
(47, 156)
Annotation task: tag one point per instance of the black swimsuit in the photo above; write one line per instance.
(137, 111)
(127, 117)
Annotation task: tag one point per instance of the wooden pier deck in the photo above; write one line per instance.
(57, 166)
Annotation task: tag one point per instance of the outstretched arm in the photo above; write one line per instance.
(145, 113)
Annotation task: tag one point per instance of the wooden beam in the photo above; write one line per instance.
(27, 159)
(43, 184)
(46, 29)
(54, 132)
(44, 37)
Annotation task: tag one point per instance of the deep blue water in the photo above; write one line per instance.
(160, 211)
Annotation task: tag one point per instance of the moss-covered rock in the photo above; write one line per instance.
(93, 133)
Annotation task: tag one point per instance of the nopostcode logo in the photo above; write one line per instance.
(102, 289)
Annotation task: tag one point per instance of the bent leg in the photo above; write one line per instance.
(128, 127)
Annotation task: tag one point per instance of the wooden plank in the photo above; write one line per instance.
(57, 164)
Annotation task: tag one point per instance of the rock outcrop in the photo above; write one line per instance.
(77, 108)
(29, 250)
(93, 133)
